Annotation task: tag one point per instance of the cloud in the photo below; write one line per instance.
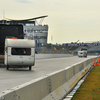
(24, 1)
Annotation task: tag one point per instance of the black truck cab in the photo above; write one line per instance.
(8, 31)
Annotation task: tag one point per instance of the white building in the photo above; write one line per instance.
(39, 33)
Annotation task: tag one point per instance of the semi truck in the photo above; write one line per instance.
(9, 31)
(15, 51)
(82, 52)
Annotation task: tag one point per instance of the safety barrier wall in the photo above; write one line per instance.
(45, 56)
(52, 86)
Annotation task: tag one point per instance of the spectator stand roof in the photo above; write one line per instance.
(21, 21)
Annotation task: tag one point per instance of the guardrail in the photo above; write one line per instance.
(52, 86)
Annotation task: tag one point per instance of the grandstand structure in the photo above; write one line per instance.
(93, 48)
(31, 28)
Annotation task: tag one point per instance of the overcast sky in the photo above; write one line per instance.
(68, 20)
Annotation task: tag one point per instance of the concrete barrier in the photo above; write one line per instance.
(52, 86)
(45, 56)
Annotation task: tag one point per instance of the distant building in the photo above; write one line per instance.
(39, 33)
(31, 29)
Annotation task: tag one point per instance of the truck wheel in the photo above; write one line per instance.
(30, 67)
(7, 67)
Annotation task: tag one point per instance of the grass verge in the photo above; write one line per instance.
(90, 88)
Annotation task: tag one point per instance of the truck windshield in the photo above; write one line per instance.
(83, 49)
(21, 51)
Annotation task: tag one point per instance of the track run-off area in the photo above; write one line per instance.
(17, 76)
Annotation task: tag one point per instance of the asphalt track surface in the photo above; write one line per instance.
(17, 76)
